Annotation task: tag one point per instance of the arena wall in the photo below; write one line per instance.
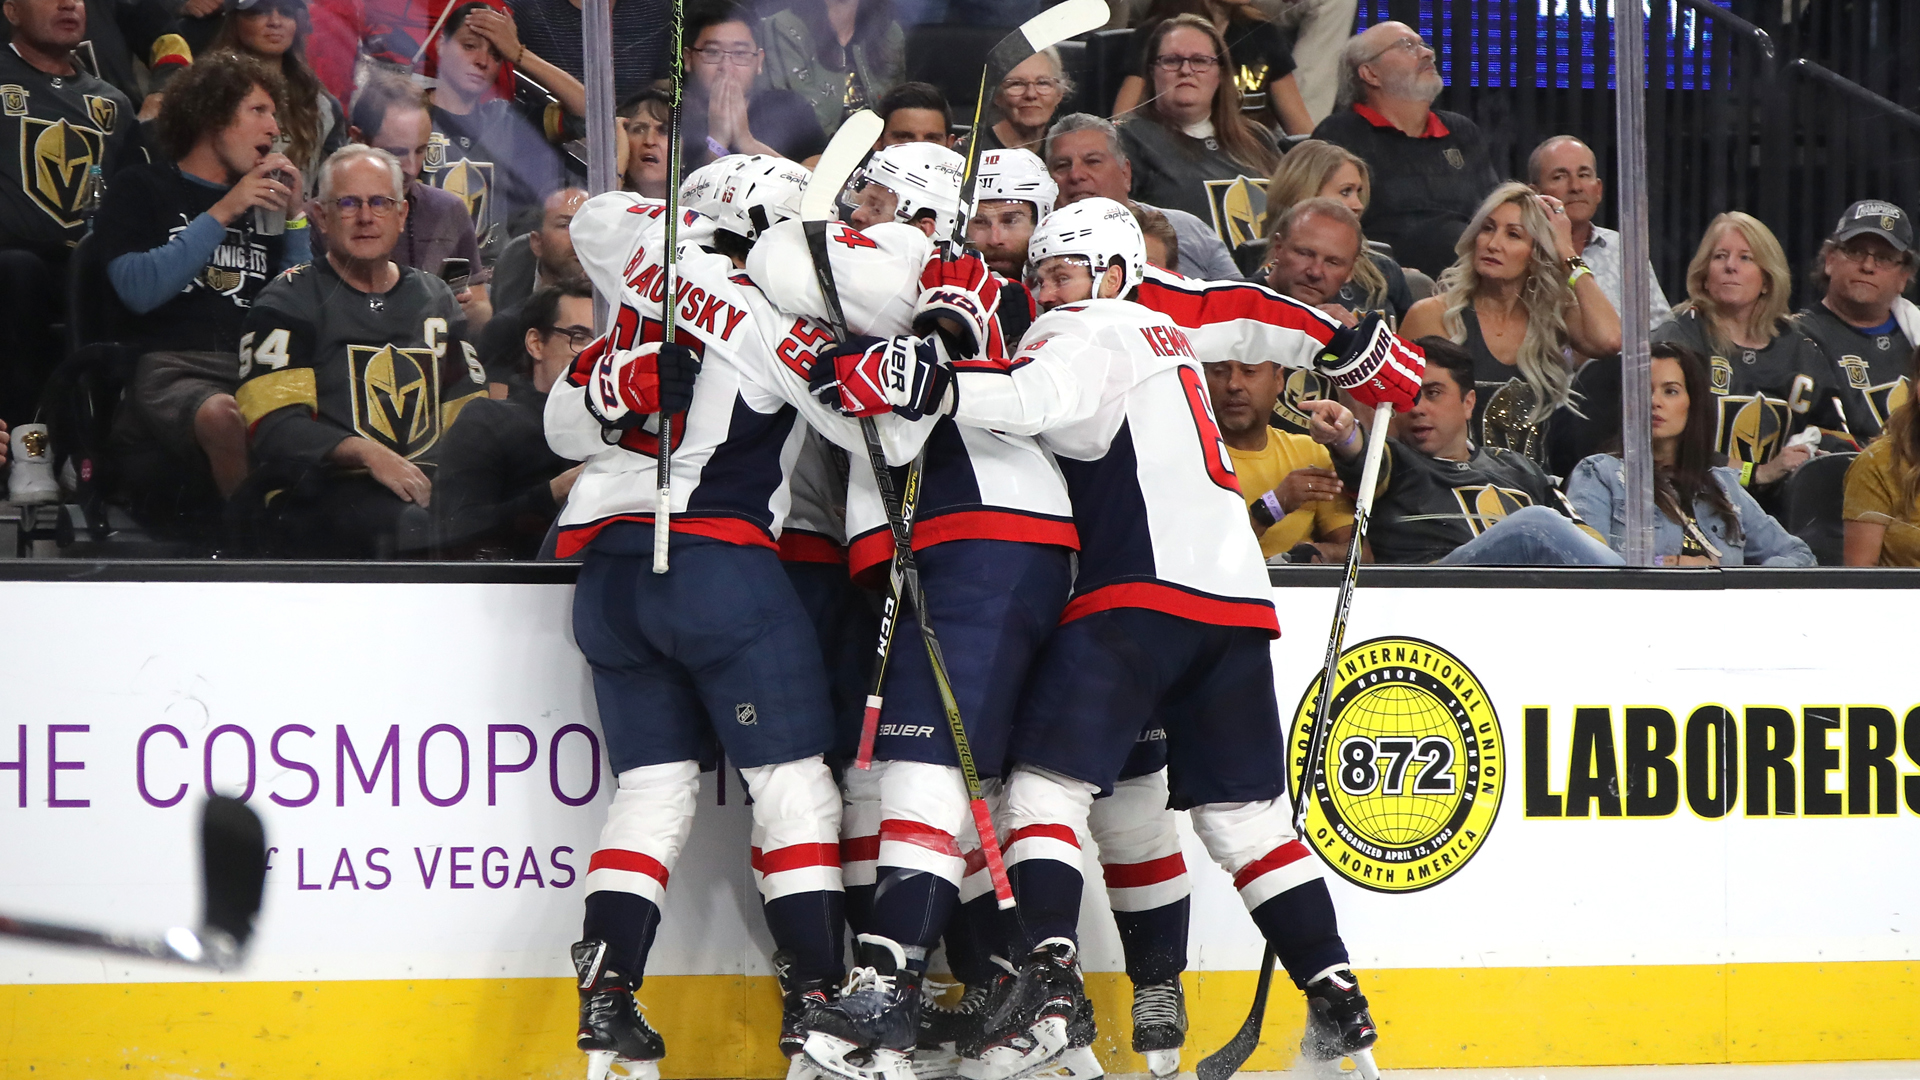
(1574, 825)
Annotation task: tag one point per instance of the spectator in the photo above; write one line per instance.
(1085, 157)
(840, 55)
(1025, 103)
(271, 31)
(1315, 249)
(1156, 232)
(914, 112)
(186, 257)
(724, 114)
(1768, 381)
(127, 34)
(499, 487)
(1443, 499)
(552, 28)
(1262, 65)
(1324, 27)
(1190, 146)
(391, 114)
(1011, 193)
(549, 256)
(1430, 167)
(1320, 169)
(1295, 500)
(645, 116)
(1517, 298)
(352, 370)
(1882, 510)
(1565, 168)
(59, 107)
(1861, 271)
(495, 154)
(1706, 518)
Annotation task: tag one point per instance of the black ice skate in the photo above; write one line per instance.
(1030, 1029)
(1338, 1024)
(797, 998)
(1160, 1025)
(869, 1033)
(612, 1031)
(936, 1051)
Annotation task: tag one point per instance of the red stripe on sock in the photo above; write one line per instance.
(919, 834)
(1273, 860)
(1151, 872)
(795, 857)
(619, 859)
(1056, 832)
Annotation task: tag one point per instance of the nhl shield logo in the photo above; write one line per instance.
(744, 715)
(13, 100)
(54, 159)
(104, 111)
(396, 397)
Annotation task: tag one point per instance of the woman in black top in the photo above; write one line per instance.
(275, 31)
(1262, 62)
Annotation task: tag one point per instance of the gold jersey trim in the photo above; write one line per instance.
(277, 390)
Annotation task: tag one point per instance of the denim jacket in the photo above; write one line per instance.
(1598, 490)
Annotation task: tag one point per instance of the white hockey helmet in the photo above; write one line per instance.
(701, 184)
(760, 192)
(1097, 230)
(1014, 176)
(924, 177)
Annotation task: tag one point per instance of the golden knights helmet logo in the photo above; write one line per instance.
(1505, 424)
(55, 157)
(1302, 385)
(13, 100)
(1238, 205)
(1484, 506)
(103, 110)
(396, 397)
(473, 182)
(1751, 428)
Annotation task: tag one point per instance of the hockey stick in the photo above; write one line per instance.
(1226, 1061)
(663, 498)
(233, 870)
(843, 154)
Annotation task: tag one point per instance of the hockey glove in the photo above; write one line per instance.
(959, 296)
(871, 376)
(626, 386)
(1378, 367)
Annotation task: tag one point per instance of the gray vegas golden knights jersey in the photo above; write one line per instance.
(53, 130)
(1869, 368)
(321, 361)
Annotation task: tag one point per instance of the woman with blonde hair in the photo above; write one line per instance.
(1316, 169)
(1769, 380)
(1262, 61)
(1190, 135)
(1518, 297)
(1882, 509)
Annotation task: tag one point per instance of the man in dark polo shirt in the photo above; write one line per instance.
(1858, 276)
(1430, 167)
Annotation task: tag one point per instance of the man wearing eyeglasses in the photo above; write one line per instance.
(724, 114)
(352, 369)
(1430, 167)
(1863, 268)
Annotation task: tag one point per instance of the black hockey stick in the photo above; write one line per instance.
(233, 869)
(843, 154)
(1226, 1061)
(670, 262)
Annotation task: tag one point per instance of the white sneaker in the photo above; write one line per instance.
(30, 477)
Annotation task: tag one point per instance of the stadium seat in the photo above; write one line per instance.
(78, 401)
(1108, 53)
(1811, 502)
(951, 57)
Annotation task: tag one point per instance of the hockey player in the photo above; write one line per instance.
(720, 646)
(1167, 628)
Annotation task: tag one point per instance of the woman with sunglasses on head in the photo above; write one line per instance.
(1262, 62)
(1705, 518)
(275, 31)
(1191, 147)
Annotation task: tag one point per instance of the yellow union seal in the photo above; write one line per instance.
(1412, 769)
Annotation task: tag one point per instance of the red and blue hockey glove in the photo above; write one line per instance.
(871, 376)
(626, 386)
(959, 296)
(1378, 367)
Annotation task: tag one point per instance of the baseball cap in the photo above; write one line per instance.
(1881, 219)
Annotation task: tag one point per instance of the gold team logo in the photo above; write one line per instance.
(1302, 385)
(1882, 398)
(54, 158)
(1252, 80)
(103, 110)
(1413, 767)
(1485, 505)
(1238, 205)
(13, 100)
(396, 397)
(473, 182)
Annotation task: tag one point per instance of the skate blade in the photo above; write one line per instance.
(1363, 1066)
(1162, 1063)
(1005, 1063)
(1078, 1063)
(828, 1054)
(931, 1063)
(609, 1065)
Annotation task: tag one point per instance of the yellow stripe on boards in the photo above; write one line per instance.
(724, 1026)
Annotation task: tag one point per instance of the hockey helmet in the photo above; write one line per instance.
(760, 192)
(1014, 176)
(702, 183)
(1097, 230)
(924, 178)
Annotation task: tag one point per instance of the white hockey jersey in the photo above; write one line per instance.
(1239, 320)
(734, 449)
(976, 484)
(1116, 392)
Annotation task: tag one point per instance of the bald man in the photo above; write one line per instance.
(1565, 168)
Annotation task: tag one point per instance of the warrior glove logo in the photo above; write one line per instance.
(1410, 780)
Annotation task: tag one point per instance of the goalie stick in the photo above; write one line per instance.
(1226, 1061)
(233, 872)
(843, 154)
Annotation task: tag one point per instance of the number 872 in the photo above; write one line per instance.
(1361, 768)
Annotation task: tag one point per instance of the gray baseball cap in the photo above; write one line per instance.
(1878, 218)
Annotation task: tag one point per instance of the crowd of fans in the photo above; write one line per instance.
(235, 187)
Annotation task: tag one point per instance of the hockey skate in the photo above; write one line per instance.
(797, 999)
(616, 1037)
(869, 1033)
(1160, 1025)
(1032, 1028)
(1338, 1025)
(943, 1030)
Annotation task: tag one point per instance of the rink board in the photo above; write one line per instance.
(1690, 849)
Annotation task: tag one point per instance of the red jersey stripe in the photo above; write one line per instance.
(806, 547)
(731, 530)
(875, 548)
(1222, 302)
(1156, 596)
(634, 861)
(860, 849)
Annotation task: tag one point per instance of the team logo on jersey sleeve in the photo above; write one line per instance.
(1414, 764)
(13, 100)
(1238, 205)
(54, 159)
(396, 397)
